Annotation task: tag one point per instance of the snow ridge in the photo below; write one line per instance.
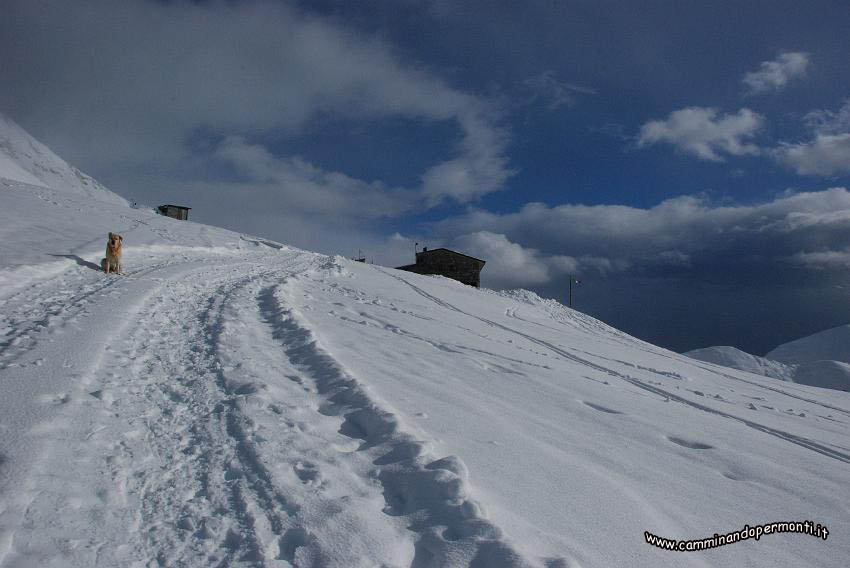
(819, 360)
(25, 159)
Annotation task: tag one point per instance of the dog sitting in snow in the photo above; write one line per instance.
(112, 262)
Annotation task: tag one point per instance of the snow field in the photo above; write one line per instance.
(235, 402)
(578, 437)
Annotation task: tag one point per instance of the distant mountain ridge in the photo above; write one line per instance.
(25, 159)
(821, 359)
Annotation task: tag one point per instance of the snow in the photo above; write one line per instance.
(732, 357)
(831, 344)
(817, 360)
(825, 374)
(25, 159)
(236, 402)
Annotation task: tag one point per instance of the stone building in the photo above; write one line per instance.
(174, 211)
(448, 263)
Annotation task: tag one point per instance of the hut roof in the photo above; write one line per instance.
(453, 252)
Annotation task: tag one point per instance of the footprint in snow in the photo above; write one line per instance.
(307, 472)
(600, 408)
(690, 443)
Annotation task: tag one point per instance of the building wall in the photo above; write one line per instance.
(449, 264)
(175, 212)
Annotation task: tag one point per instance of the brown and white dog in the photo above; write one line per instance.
(112, 262)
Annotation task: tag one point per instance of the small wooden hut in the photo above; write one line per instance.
(174, 211)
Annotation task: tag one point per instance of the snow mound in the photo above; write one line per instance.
(831, 344)
(825, 374)
(25, 159)
(735, 358)
(522, 295)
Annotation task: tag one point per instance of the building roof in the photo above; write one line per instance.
(453, 252)
(177, 206)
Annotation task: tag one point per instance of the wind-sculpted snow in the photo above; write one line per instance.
(236, 402)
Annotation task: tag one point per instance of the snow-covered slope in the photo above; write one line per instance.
(817, 360)
(828, 345)
(737, 359)
(826, 374)
(236, 402)
(25, 159)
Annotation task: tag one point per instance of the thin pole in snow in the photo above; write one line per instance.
(571, 280)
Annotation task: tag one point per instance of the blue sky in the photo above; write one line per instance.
(687, 160)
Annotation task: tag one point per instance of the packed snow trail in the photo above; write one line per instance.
(211, 430)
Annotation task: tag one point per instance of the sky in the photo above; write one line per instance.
(688, 162)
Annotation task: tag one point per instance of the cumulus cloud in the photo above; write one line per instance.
(830, 122)
(480, 168)
(828, 152)
(774, 75)
(510, 264)
(826, 155)
(309, 189)
(681, 235)
(553, 92)
(125, 85)
(705, 133)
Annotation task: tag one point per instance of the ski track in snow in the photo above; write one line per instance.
(177, 444)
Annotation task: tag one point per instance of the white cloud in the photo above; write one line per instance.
(773, 75)
(553, 92)
(309, 189)
(828, 152)
(121, 87)
(835, 259)
(830, 122)
(683, 233)
(509, 264)
(480, 167)
(702, 132)
(826, 155)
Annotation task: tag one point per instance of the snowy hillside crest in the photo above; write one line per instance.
(821, 359)
(25, 159)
